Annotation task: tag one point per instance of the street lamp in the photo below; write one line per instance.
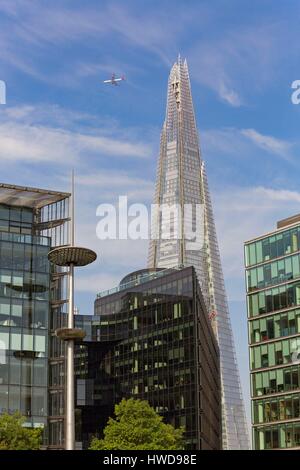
(71, 256)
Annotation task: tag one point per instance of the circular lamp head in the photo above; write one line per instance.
(75, 255)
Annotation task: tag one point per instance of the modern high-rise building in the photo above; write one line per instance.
(273, 302)
(181, 181)
(33, 300)
(151, 339)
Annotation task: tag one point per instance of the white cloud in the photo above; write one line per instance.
(233, 61)
(245, 213)
(44, 114)
(26, 142)
(37, 144)
(229, 95)
(112, 183)
(96, 283)
(237, 61)
(268, 143)
(34, 27)
(116, 258)
(242, 142)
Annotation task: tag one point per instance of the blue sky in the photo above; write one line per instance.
(242, 55)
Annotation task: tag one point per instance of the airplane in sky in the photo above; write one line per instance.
(114, 80)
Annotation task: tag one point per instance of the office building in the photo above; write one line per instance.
(273, 302)
(33, 298)
(150, 338)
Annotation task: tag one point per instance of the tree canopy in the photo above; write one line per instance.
(137, 426)
(14, 436)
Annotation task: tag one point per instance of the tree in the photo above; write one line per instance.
(138, 427)
(14, 436)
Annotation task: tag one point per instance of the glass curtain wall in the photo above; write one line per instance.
(273, 302)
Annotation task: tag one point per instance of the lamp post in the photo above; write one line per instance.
(71, 256)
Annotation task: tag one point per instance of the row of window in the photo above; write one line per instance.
(147, 297)
(14, 340)
(273, 273)
(166, 339)
(173, 329)
(15, 227)
(134, 366)
(276, 409)
(23, 371)
(275, 354)
(272, 247)
(274, 299)
(275, 381)
(282, 324)
(150, 322)
(169, 400)
(30, 401)
(25, 286)
(24, 239)
(282, 436)
(151, 384)
(24, 257)
(24, 313)
(16, 214)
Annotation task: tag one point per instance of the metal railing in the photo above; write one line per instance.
(140, 280)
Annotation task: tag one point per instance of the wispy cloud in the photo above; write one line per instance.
(26, 142)
(229, 95)
(40, 144)
(241, 60)
(241, 143)
(96, 282)
(116, 258)
(116, 182)
(269, 143)
(34, 28)
(236, 60)
(253, 212)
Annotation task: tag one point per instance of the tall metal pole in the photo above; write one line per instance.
(70, 399)
(71, 256)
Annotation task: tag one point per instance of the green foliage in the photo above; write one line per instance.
(138, 427)
(14, 436)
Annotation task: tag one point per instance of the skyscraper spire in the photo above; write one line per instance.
(181, 180)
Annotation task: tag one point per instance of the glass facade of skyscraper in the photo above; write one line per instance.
(24, 316)
(32, 303)
(182, 182)
(273, 302)
(151, 339)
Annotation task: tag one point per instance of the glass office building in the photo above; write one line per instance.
(150, 338)
(182, 182)
(32, 299)
(273, 302)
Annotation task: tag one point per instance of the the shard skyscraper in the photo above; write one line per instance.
(181, 180)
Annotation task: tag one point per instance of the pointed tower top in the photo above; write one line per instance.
(179, 58)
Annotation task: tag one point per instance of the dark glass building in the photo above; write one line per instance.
(32, 301)
(150, 338)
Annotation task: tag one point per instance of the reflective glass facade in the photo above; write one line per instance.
(33, 298)
(181, 180)
(273, 301)
(24, 316)
(151, 341)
